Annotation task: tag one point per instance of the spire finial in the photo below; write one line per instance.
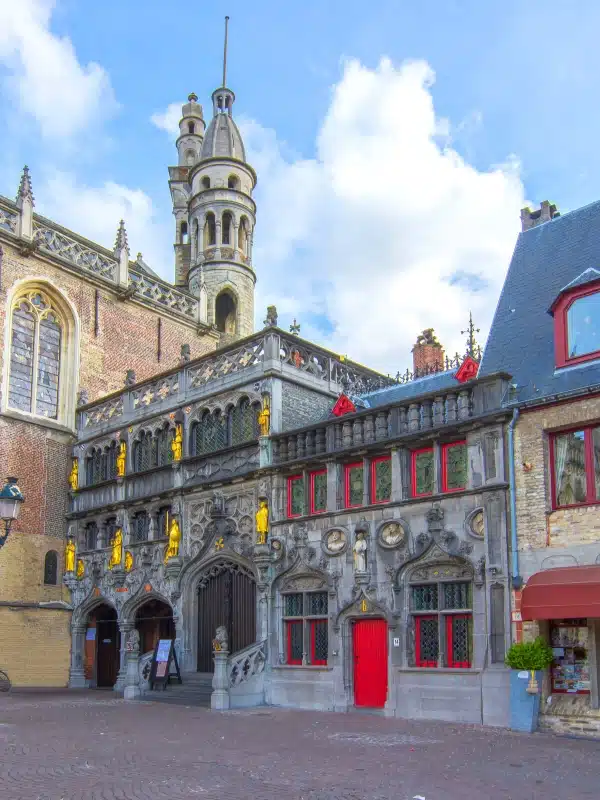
(473, 349)
(121, 240)
(225, 54)
(25, 192)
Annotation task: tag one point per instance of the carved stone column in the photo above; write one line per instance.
(76, 672)
(124, 628)
(132, 678)
(219, 699)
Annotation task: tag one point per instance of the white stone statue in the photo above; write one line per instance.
(360, 553)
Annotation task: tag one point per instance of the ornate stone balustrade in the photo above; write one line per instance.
(74, 251)
(243, 665)
(380, 424)
(269, 352)
(163, 294)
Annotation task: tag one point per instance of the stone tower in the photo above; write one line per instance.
(214, 216)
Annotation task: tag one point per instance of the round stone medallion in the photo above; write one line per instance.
(392, 534)
(476, 523)
(335, 542)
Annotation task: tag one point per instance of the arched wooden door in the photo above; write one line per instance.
(226, 596)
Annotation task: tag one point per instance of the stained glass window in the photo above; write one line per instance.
(422, 472)
(454, 466)
(210, 433)
(164, 439)
(91, 535)
(434, 631)
(381, 479)
(425, 598)
(354, 485)
(428, 641)
(458, 640)
(318, 488)
(309, 634)
(457, 595)
(51, 568)
(36, 331)
(295, 496)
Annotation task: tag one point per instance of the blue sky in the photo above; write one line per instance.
(514, 86)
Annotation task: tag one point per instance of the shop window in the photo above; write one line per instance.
(454, 466)
(306, 628)
(577, 326)
(353, 485)
(422, 472)
(318, 491)
(381, 479)
(295, 496)
(51, 568)
(570, 668)
(575, 465)
(443, 624)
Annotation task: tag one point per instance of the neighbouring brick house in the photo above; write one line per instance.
(546, 333)
(75, 319)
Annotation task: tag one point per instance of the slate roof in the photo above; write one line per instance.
(547, 259)
(405, 391)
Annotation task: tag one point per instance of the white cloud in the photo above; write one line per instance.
(168, 120)
(94, 212)
(45, 78)
(388, 231)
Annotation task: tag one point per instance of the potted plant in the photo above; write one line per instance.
(526, 660)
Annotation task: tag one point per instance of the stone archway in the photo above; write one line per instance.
(102, 647)
(154, 621)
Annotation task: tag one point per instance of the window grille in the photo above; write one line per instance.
(354, 485)
(441, 633)
(51, 568)
(422, 472)
(318, 491)
(306, 627)
(140, 527)
(164, 451)
(295, 500)
(381, 479)
(454, 466)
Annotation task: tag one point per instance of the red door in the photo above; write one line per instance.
(369, 638)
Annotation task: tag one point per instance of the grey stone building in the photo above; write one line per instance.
(381, 581)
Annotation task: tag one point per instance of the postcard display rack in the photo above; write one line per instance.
(570, 668)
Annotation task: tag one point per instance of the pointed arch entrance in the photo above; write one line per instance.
(226, 596)
(102, 646)
(154, 621)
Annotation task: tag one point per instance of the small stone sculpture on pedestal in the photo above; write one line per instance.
(219, 699)
(132, 678)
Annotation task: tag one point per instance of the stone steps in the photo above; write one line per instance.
(195, 690)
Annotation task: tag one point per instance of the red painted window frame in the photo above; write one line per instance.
(347, 468)
(450, 663)
(374, 463)
(413, 471)
(418, 661)
(445, 448)
(288, 636)
(590, 476)
(311, 477)
(313, 626)
(560, 311)
(290, 479)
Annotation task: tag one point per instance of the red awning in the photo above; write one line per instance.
(562, 593)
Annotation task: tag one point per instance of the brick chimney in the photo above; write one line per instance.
(428, 354)
(546, 212)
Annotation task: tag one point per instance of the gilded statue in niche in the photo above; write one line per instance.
(74, 475)
(128, 561)
(121, 460)
(80, 571)
(262, 522)
(116, 556)
(264, 417)
(172, 550)
(70, 556)
(177, 443)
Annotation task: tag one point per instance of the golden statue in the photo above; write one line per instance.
(174, 538)
(264, 417)
(262, 522)
(117, 549)
(177, 443)
(74, 475)
(121, 460)
(80, 571)
(128, 561)
(70, 556)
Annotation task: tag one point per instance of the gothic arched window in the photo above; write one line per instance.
(225, 313)
(51, 568)
(243, 422)
(232, 182)
(226, 228)
(35, 355)
(140, 527)
(163, 450)
(91, 536)
(243, 236)
(210, 230)
(209, 433)
(184, 233)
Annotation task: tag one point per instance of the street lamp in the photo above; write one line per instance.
(11, 498)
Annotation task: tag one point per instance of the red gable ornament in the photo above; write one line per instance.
(343, 406)
(467, 370)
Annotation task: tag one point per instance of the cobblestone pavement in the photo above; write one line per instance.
(71, 746)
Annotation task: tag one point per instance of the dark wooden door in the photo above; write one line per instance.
(227, 597)
(369, 639)
(107, 652)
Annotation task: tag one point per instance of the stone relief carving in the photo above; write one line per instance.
(334, 542)
(475, 523)
(392, 534)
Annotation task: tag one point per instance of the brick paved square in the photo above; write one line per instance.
(70, 746)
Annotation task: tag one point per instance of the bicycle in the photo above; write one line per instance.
(5, 683)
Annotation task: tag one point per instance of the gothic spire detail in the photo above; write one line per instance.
(25, 191)
(121, 242)
(473, 348)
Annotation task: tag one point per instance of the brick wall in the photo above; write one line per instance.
(36, 642)
(301, 406)
(539, 526)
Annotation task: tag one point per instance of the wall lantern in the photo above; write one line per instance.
(11, 499)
